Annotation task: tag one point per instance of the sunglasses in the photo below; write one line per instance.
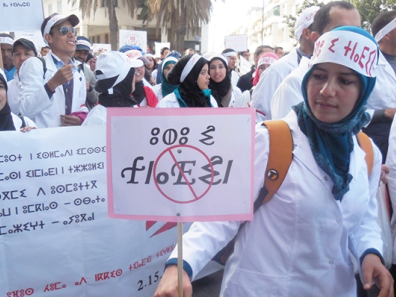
(65, 30)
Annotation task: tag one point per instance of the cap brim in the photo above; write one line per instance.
(134, 63)
(26, 44)
(73, 19)
(82, 47)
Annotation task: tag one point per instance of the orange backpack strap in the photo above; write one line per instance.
(367, 147)
(279, 159)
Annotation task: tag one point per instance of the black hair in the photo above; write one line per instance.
(241, 53)
(278, 47)
(227, 50)
(261, 48)
(382, 20)
(322, 16)
(164, 49)
(45, 23)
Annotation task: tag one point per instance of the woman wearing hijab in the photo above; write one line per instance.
(115, 81)
(191, 73)
(165, 88)
(265, 61)
(8, 120)
(300, 243)
(220, 82)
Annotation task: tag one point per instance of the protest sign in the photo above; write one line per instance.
(21, 15)
(180, 165)
(159, 46)
(100, 48)
(130, 37)
(238, 43)
(55, 235)
(35, 36)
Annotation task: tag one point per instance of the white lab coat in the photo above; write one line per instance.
(298, 243)
(269, 81)
(234, 78)
(33, 98)
(14, 87)
(391, 163)
(157, 89)
(96, 116)
(289, 91)
(384, 93)
(171, 101)
(18, 122)
(235, 96)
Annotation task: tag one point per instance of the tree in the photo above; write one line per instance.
(369, 9)
(86, 6)
(180, 17)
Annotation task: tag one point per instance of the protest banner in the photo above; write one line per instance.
(180, 165)
(238, 42)
(131, 37)
(34, 36)
(100, 48)
(21, 15)
(55, 235)
(159, 46)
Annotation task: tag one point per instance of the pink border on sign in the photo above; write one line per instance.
(125, 112)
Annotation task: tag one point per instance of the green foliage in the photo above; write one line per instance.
(369, 9)
(290, 20)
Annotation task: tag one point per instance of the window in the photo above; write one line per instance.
(49, 9)
(59, 6)
(107, 38)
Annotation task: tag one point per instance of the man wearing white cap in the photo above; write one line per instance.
(273, 76)
(54, 94)
(6, 42)
(328, 17)
(382, 102)
(231, 57)
(83, 47)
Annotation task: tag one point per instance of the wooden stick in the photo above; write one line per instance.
(180, 256)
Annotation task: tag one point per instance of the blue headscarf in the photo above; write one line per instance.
(332, 143)
(166, 87)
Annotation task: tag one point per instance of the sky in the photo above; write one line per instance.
(227, 16)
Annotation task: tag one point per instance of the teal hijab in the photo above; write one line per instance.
(166, 87)
(332, 143)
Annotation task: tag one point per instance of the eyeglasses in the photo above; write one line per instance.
(65, 30)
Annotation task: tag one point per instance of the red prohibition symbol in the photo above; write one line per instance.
(169, 151)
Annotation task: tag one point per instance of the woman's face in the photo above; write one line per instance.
(167, 69)
(203, 78)
(139, 74)
(217, 71)
(151, 64)
(3, 95)
(262, 68)
(332, 91)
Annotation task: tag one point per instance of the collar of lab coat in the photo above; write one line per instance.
(302, 151)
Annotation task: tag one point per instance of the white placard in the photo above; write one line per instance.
(55, 235)
(238, 43)
(130, 37)
(181, 164)
(100, 48)
(35, 36)
(21, 15)
(159, 46)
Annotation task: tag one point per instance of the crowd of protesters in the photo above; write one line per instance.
(339, 80)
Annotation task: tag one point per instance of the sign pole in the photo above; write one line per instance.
(180, 256)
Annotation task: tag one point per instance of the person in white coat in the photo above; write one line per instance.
(165, 88)
(54, 94)
(328, 17)
(115, 82)
(8, 120)
(191, 74)
(272, 78)
(225, 93)
(299, 243)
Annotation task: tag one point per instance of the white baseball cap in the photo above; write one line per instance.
(135, 54)
(112, 64)
(304, 20)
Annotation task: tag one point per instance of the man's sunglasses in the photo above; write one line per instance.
(65, 30)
